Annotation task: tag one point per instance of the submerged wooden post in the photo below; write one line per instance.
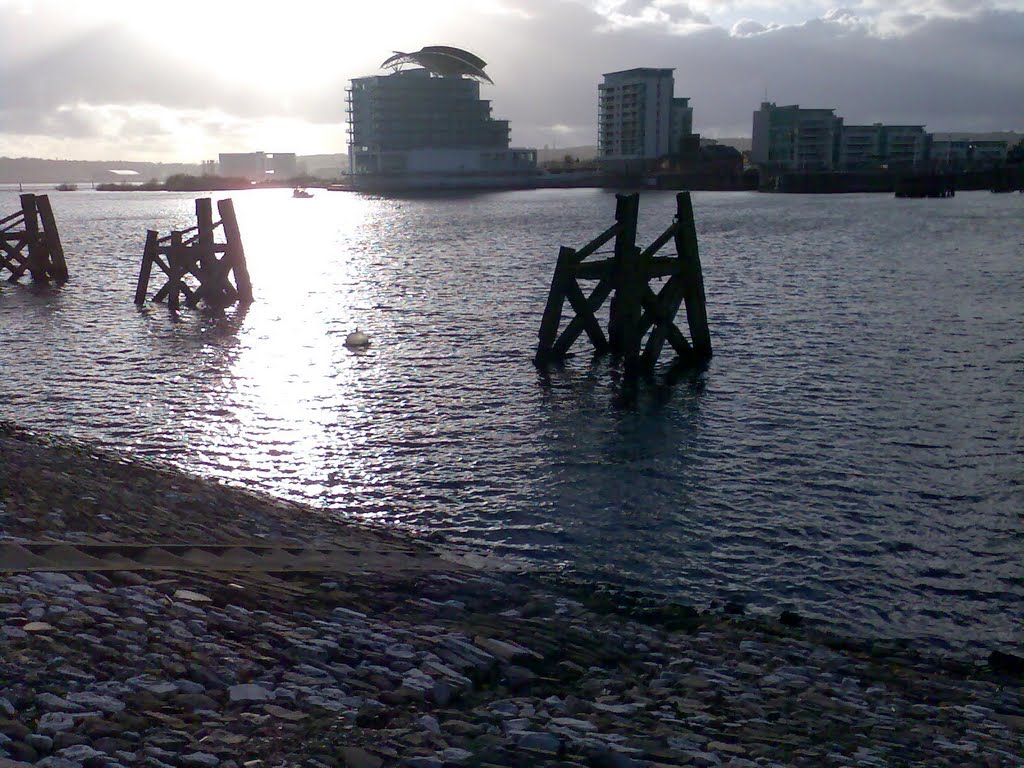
(36, 251)
(207, 258)
(624, 311)
(148, 257)
(692, 277)
(174, 260)
(552, 316)
(57, 266)
(235, 254)
(635, 309)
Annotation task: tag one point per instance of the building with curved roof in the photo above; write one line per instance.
(427, 125)
(443, 61)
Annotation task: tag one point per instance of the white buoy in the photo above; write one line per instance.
(357, 340)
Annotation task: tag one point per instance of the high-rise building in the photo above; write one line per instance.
(429, 121)
(639, 118)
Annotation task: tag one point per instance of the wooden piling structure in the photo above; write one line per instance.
(30, 242)
(635, 310)
(189, 259)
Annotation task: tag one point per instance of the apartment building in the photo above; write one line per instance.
(860, 146)
(639, 118)
(904, 146)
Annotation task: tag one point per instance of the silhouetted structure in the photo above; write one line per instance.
(428, 127)
(29, 242)
(193, 251)
(635, 309)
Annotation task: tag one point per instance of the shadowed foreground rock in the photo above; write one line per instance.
(370, 666)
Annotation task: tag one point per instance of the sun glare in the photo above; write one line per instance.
(308, 46)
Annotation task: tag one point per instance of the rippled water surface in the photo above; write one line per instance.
(854, 450)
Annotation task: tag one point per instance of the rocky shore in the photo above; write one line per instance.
(398, 655)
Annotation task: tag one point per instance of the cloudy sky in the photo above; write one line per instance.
(181, 80)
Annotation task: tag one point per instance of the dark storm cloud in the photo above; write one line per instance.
(950, 74)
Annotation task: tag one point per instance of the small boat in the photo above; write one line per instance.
(300, 192)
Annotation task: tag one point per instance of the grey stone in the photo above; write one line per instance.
(55, 722)
(545, 742)
(79, 753)
(57, 704)
(199, 760)
(429, 723)
(58, 762)
(249, 692)
(94, 701)
(40, 743)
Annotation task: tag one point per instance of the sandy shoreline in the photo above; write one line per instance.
(375, 651)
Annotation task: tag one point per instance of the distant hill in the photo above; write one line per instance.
(40, 171)
(33, 169)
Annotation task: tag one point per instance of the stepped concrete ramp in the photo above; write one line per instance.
(238, 557)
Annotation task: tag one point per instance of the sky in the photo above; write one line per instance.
(181, 81)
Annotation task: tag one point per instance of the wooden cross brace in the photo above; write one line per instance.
(635, 308)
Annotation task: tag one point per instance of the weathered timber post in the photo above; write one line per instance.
(635, 309)
(235, 254)
(624, 311)
(149, 255)
(36, 248)
(176, 261)
(57, 266)
(692, 277)
(552, 316)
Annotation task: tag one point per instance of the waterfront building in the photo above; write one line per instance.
(639, 119)
(258, 166)
(904, 146)
(987, 154)
(792, 138)
(947, 152)
(860, 147)
(428, 124)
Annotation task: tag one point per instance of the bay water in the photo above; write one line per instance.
(854, 451)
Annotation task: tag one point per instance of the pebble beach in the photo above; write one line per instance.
(151, 618)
